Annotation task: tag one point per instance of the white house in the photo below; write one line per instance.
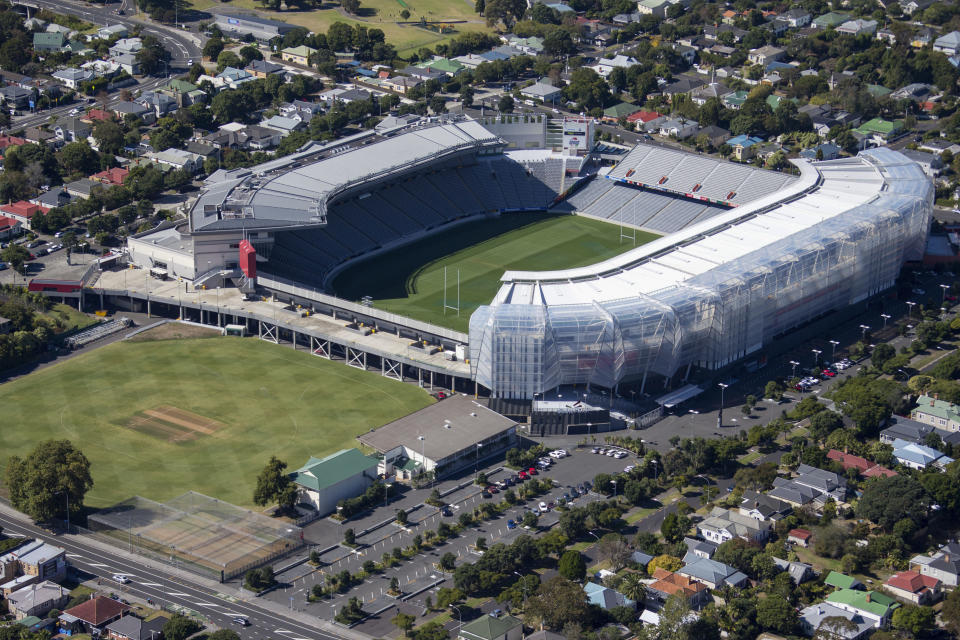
(605, 66)
(678, 128)
(944, 565)
(177, 159)
(723, 524)
(858, 27)
(112, 31)
(323, 482)
(73, 78)
(948, 44)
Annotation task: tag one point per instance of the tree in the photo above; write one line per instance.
(634, 588)
(615, 550)
(950, 613)
(573, 523)
(180, 627)
(224, 634)
(404, 622)
(271, 482)
(558, 602)
(228, 59)
(248, 54)
(152, 56)
(674, 527)
(914, 620)
(773, 390)
(887, 500)
(448, 561)
(881, 354)
(670, 563)
(349, 537)
(16, 256)
(109, 136)
(777, 615)
(78, 157)
(505, 11)
(505, 105)
(351, 6)
(213, 48)
(42, 483)
(401, 517)
(587, 88)
(572, 566)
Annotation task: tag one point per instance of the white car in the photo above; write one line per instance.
(543, 507)
(74, 112)
(628, 468)
(620, 455)
(122, 579)
(555, 454)
(595, 450)
(612, 452)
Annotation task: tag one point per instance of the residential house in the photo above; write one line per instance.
(914, 587)
(177, 159)
(744, 146)
(607, 598)
(72, 129)
(910, 7)
(711, 573)
(530, 46)
(36, 559)
(944, 565)
(723, 524)
(444, 65)
(871, 605)
(183, 92)
(130, 627)
(91, 616)
(948, 44)
(36, 135)
(49, 42)
(918, 456)
(641, 559)
(832, 19)
(81, 188)
(112, 177)
(916, 432)
(922, 37)
(929, 162)
(713, 32)
(679, 128)
(916, 91)
(647, 120)
(38, 599)
(858, 27)
(626, 18)
(471, 60)
(284, 125)
(298, 55)
(98, 115)
(937, 413)
(543, 91)
(10, 141)
(722, 50)
(263, 68)
(620, 110)
(811, 485)
(713, 90)
(232, 77)
(301, 109)
(687, 53)
(823, 151)
(123, 109)
(812, 617)
(55, 197)
(402, 84)
(126, 46)
(797, 18)
(203, 150)
(605, 66)
(73, 78)
(843, 581)
(9, 228)
(799, 572)
(127, 62)
(21, 211)
(161, 103)
(799, 537)
(735, 100)
(762, 507)
(682, 85)
(939, 145)
(656, 8)
(700, 548)
(492, 627)
(667, 583)
(13, 97)
(887, 36)
(112, 31)
(765, 55)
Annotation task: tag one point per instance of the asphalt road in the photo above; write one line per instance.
(167, 588)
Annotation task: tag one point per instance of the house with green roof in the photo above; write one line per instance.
(617, 111)
(937, 413)
(444, 65)
(878, 90)
(49, 41)
(185, 93)
(880, 128)
(842, 581)
(492, 627)
(832, 19)
(736, 99)
(298, 55)
(871, 605)
(323, 482)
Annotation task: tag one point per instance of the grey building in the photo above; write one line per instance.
(241, 24)
(915, 432)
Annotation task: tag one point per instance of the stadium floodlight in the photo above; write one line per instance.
(793, 371)
(723, 387)
(885, 316)
(833, 354)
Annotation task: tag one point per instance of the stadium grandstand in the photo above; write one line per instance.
(715, 291)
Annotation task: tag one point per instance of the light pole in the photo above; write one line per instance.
(476, 464)
(614, 483)
(723, 387)
(911, 305)
(864, 328)
(523, 579)
(423, 457)
(793, 370)
(885, 316)
(386, 493)
(943, 297)
(816, 357)
(459, 618)
(833, 354)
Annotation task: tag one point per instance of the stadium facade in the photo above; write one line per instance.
(713, 292)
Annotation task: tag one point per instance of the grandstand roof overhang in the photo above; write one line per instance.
(824, 191)
(294, 192)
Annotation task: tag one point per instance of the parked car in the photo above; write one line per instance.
(522, 475)
(918, 291)
(543, 507)
(511, 524)
(445, 510)
(531, 471)
(595, 450)
(492, 489)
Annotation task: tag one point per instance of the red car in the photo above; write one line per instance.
(522, 475)
(492, 489)
(531, 471)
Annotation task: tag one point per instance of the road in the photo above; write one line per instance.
(166, 588)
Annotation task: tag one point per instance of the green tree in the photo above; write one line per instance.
(213, 48)
(881, 354)
(634, 588)
(16, 256)
(404, 622)
(41, 483)
(674, 527)
(349, 537)
(180, 627)
(572, 565)
(109, 136)
(777, 615)
(505, 105)
(559, 602)
(78, 157)
(271, 482)
(914, 620)
(887, 500)
(950, 613)
(224, 634)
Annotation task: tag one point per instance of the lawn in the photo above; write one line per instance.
(379, 14)
(68, 317)
(747, 458)
(410, 279)
(638, 514)
(223, 407)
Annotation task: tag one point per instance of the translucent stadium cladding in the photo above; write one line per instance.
(295, 191)
(714, 292)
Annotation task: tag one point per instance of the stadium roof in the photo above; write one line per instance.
(699, 255)
(282, 194)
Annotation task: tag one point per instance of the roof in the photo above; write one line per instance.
(713, 572)
(849, 461)
(879, 125)
(672, 583)
(643, 116)
(488, 627)
(620, 110)
(744, 141)
(918, 454)
(448, 426)
(872, 602)
(606, 598)
(253, 18)
(841, 580)
(302, 50)
(815, 614)
(36, 594)
(23, 209)
(45, 39)
(130, 626)
(799, 571)
(766, 505)
(97, 610)
(950, 40)
(831, 19)
(113, 175)
(540, 89)
(799, 534)
(736, 524)
(319, 473)
(264, 66)
(938, 408)
(912, 581)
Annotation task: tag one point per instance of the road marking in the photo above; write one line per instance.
(205, 604)
(151, 584)
(176, 593)
(97, 564)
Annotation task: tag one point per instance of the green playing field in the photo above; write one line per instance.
(410, 280)
(160, 418)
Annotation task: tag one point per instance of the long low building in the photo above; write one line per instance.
(714, 292)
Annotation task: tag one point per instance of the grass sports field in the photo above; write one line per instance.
(379, 14)
(159, 418)
(409, 280)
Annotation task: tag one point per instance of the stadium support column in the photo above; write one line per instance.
(294, 340)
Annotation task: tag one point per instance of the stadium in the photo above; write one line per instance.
(702, 261)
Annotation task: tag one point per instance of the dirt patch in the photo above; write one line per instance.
(173, 424)
(175, 331)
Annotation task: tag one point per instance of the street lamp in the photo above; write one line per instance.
(943, 289)
(833, 354)
(459, 617)
(864, 328)
(816, 357)
(793, 371)
(885, 316)
(423, 457)
(911, 305)
(523, 580)
(476, 464)
(614, 483)
(723, 387)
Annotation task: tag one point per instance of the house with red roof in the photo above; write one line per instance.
(876, 471)
(22, 211)
(799, 536)
(10, 141)
(862, 465)
(646, 120)
(9, 228)
(112, 176)
(96, 115)
(91, 616)
(914, 587)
